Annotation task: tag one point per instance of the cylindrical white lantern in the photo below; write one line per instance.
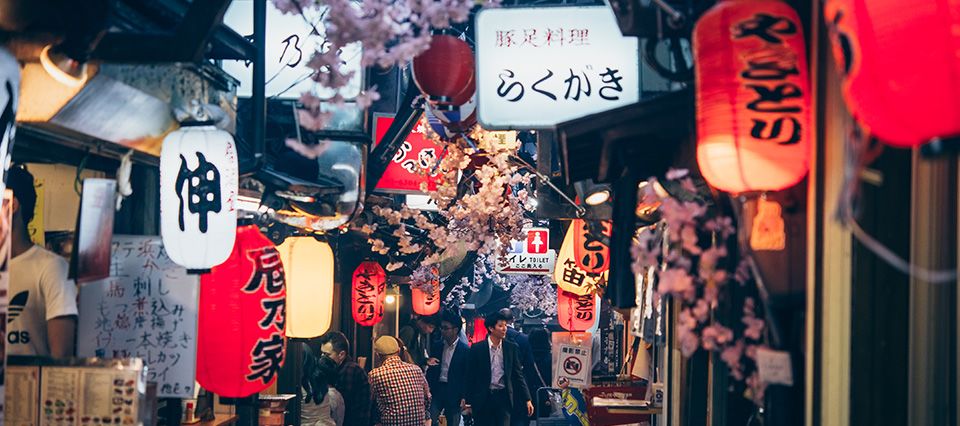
(9, 91)
(308, 265)
(198, 192)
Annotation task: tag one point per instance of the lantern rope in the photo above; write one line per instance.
(860, 151)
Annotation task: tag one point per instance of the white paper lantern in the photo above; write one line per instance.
(570, 277)
(198, 192)
(9, 91)
(308, 265)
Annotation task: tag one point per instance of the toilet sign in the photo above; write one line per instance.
(531, 256)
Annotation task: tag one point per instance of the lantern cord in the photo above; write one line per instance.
(924, 274)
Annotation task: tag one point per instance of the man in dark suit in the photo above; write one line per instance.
(495, 377)
(517, 418)
(447, 370)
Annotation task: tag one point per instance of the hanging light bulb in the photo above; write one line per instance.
(63, 68)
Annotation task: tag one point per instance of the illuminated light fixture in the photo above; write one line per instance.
(391, 299)
(309, 267)
(597, 198)
(64, 69)
(369, 289)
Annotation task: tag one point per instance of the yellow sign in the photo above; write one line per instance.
(569, 276)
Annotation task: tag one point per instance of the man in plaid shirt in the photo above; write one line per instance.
(401, 391)
(352, 381)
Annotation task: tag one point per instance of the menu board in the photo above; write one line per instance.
(147, 308)
(22, 392)
(71, 396)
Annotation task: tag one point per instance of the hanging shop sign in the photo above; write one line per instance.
(572, 360)
(369, 293)
(537, 67)
(902, 102)
(240, 338)
(9, 91)
(309, 268)
(289, 43)
(571, 277)
(591, 245)
(411, 164)
(752, 95)
(530, 256)
(198, 192)
(146, 309)
(576, 312)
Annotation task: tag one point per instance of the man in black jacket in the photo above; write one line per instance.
(447, 370)
(517, 417)
(495, 378)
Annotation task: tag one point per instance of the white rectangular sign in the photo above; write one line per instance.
(537, 67)
(530, 256)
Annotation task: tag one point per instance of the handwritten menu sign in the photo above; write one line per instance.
(147, 309)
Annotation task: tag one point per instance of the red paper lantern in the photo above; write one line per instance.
(369, 292)
(445, 72)
(576, 312)
(753, 97)
(479, 331)
(591, 248)
(240, 336)
(900, 66)
(426, 304)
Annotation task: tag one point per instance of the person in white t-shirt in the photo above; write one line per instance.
(42, 313)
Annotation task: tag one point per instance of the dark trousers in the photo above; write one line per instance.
(444, 399)
(496, 412)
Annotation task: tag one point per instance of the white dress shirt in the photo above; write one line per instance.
(496, 365)
(448, 350)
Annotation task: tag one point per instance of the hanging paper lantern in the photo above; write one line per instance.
(753, 97)
(369, 292)
(426, 304)
(9, 91)
(479, 331)
(576, 312)
(445, 71)
(571, 277)
(903, 96)
(198, 189)
(309, 268)
(591, 244)
(240, 330)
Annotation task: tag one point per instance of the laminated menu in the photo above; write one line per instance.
(23, 393)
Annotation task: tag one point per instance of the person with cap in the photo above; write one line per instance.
(527, 360)
(447, 369)
(43, 302)
(400, 390)
(495, 383)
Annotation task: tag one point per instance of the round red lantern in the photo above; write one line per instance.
(900, 65)
(591, 249)
(369, 293)
(576, 312)
(753, 96)
(240, 336)
(445, 72)
(426, 303)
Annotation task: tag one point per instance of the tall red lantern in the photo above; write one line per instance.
(445, 72)
(240, 336)
(576, 312)
(426, 304)
(900, 66)
(753, 96)
(591, 245)
(369, 293)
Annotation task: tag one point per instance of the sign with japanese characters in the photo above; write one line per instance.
(537, 67)
(412, 164)
(147, 309)
(572, 360)
(530, 256)
(568, 275)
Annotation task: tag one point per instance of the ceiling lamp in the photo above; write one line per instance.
(63, 68)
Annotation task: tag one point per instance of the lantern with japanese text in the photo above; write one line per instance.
(576, 312)
(9, 91)
(568, 275)
(900, 66)
(753, 97)
(426, 303)
(445, 72)
(309, 268)
(198, 189)
(240, 330)
(369, 292)
(591, 244)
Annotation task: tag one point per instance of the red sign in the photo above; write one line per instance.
(538, 240)
(240, 337)
(415, 157)
(591, 248)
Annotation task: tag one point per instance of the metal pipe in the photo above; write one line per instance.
(259, 101)
(669, 10)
